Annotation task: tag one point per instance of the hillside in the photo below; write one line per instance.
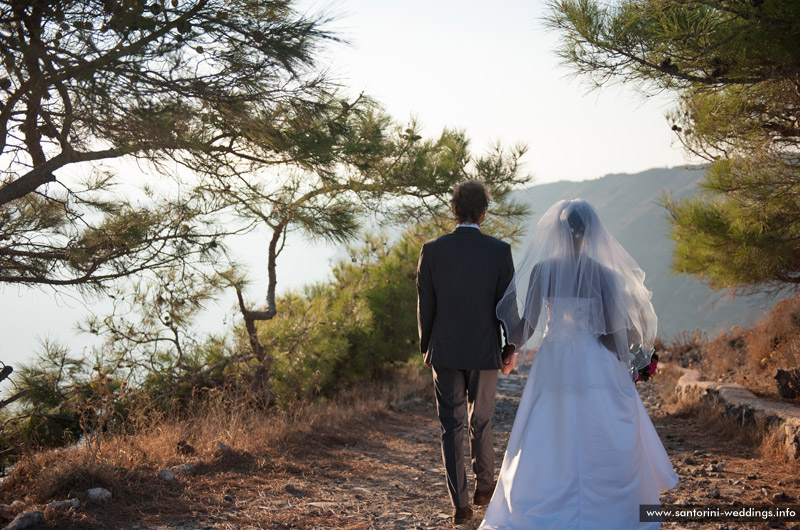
(630, 206)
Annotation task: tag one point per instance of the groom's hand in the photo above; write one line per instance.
(509, 358)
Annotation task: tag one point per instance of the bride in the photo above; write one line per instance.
(583, 453)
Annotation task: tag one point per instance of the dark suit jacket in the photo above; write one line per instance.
(460, 278)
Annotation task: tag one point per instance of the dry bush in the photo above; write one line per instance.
(67, 473)
(773, 342)
(666, 383)
(125, 462)
(683, 347)
(227, 417)
(773, 448)
(687, 408)
(713, 416)
(749, 357)
(766, 441)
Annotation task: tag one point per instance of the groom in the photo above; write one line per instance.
(460, 278)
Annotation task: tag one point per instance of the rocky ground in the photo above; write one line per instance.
(386, 473)
(718, 465)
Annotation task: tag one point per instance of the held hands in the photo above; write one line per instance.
(509, 357)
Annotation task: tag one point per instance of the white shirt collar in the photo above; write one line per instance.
(469, 225)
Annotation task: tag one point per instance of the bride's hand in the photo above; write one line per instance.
(508, 364)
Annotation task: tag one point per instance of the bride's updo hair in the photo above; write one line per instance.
(576, 222)
(469, 201)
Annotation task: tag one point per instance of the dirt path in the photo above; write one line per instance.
(385, 473)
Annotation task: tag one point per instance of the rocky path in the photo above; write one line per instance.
(718, 465)
(385, 473)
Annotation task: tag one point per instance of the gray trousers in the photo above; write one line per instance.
(460, 395)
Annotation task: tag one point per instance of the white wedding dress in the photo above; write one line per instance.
(583, 453)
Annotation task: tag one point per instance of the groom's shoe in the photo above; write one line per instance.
(462, 515)
(482, 497)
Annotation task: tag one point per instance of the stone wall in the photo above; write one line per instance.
(745, 407)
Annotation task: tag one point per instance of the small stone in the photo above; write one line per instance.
(780, 497)
(58, 506)
(184, 469)
(294, 490)
(713, 494)
(167, 475)
(227, 498)
(752, 477)
(225, 450)
(9, 510)
(714, 461)
(690, 461)
(185, 449)
(764, 491)
(99, 494)
(25, 520)
(322, 505)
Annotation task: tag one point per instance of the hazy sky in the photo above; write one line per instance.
(491, 69)
(486, 67)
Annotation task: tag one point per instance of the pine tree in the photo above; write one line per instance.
(167, 83)
(733, 65)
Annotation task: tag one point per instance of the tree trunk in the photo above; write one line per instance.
(261, 388)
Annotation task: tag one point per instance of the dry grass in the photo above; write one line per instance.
(772, 448)
(750, 357)
(666, 383)
(713, 416)
(129, 464)
(765, 441)
(775, 341)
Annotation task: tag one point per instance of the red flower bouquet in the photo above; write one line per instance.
(647, 371)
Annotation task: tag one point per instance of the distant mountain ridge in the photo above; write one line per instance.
(630, 205)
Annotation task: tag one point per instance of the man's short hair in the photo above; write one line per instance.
(470, 200)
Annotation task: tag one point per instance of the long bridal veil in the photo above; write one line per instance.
(571, 255)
